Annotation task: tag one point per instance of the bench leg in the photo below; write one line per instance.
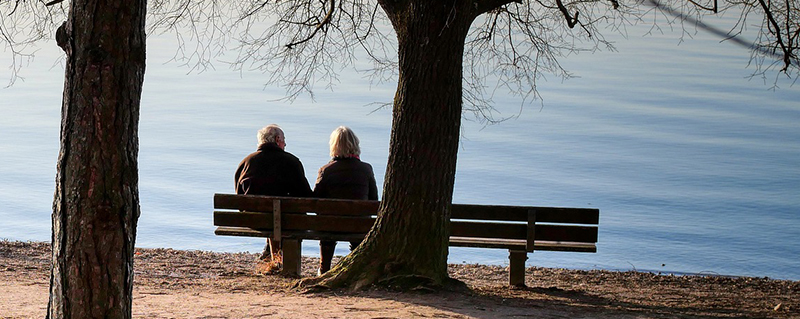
(516, 271)
(291, 257)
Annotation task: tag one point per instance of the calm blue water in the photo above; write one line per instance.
(693, 166)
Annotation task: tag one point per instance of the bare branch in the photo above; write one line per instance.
(53, 3)
(571, 20)
(787, 51)
(325, 21)
(513, 45)
(24, 24)
(254, 10)
(713, 9)
(771, 43)
(16, 5)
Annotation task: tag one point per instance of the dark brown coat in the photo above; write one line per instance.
(346, 178)
(271, 171)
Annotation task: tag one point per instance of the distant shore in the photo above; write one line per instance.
(191, 284)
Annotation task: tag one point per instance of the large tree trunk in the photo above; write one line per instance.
(96, 205)
(408, 244)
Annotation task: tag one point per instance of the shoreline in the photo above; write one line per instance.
(186, 283)
(707, 273)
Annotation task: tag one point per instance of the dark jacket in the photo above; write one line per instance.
(271, 171)
(346, 178)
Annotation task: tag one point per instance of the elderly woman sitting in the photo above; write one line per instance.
(344, 177)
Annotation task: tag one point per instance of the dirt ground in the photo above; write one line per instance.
(198, 284)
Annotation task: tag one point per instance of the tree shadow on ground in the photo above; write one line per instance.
(615, 295)
(547, 302)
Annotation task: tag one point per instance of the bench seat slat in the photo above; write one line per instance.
(487, 243)
(512, 244)
(566, 246)
(241, 231)
(249, 232)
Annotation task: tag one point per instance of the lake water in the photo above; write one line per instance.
(695, 168)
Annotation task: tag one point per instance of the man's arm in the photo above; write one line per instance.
(301, 187)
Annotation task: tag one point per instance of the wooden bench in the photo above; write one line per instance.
(519, 229)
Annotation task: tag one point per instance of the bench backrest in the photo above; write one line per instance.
(526, 223)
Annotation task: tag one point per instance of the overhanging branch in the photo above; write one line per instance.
(714, 9)
(571, 21)
(252, 12)
(787, 55)
(787, 50)
(325, 21)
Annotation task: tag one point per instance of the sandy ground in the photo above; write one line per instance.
(196, 284)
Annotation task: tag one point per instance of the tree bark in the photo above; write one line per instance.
(96, 204)
(408, 244)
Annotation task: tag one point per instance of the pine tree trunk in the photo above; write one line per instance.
(408, 245)
(96, 205)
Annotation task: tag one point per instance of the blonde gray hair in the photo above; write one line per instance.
(269, 134)
(344, 142)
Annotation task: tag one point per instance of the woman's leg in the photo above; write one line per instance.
(326, 248)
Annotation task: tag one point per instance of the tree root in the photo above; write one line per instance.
(344, 276)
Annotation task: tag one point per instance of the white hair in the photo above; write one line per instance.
(344, 142)
(269, 134)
